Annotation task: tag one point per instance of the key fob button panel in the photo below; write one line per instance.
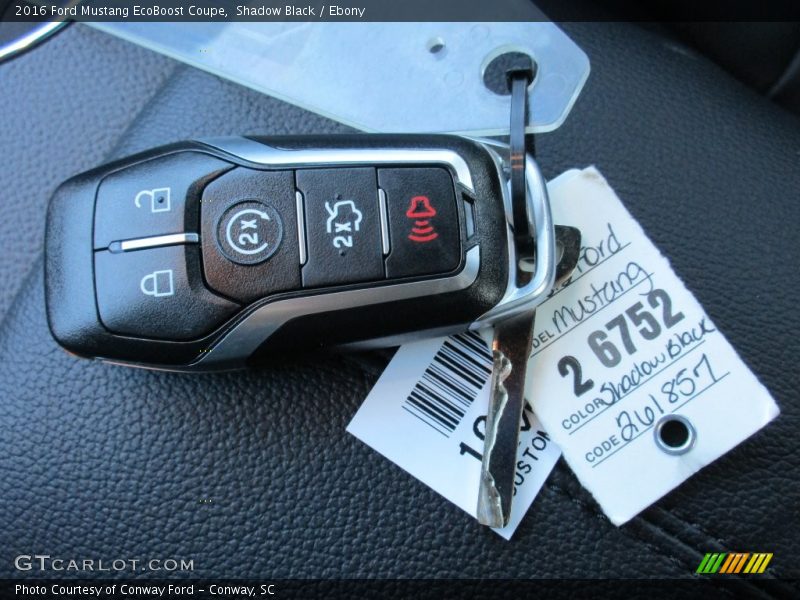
(248, 234)
(199, 253)
(157, 293)
(424, 228)
(154, 197)
(342, 226)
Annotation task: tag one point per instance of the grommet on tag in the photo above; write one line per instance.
(675, 434)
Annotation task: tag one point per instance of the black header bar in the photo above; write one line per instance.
(400, 10)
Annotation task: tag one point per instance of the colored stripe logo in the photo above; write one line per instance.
(734, 562)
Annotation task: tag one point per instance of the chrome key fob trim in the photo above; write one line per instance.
(305, 308)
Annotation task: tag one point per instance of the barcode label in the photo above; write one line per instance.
(425, 414)
(450, 384)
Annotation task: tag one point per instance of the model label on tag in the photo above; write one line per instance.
(629, 374)
(427, 414)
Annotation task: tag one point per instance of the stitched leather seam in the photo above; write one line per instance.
(651, 545)
(725, 545)
(584, 505)
(719, 586)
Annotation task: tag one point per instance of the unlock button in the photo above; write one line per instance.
(154, 197)
(157, 293)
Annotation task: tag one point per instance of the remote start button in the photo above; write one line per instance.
(249, 232)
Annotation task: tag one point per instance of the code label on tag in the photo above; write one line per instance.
(628, 373)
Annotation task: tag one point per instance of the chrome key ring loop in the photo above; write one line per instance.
(526, 297)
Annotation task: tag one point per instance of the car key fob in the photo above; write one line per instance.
(208, 254)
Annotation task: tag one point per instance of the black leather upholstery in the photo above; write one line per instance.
(252, 473)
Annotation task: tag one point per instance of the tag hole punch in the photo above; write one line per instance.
(675, 435)
(497, 66)
(435, 45)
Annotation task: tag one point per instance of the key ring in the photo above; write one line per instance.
(518, 78)
(533, 228)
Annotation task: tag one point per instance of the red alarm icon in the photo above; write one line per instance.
(420, 209)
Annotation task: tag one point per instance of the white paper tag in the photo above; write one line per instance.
(625, 344)
(427, 414)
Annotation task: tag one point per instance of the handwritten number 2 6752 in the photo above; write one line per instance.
(570, 364)
(647, 325)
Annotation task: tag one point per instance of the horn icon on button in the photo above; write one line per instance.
(420, 209)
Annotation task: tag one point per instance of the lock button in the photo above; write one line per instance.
(157, 293)
(154, 197)
(424, 227)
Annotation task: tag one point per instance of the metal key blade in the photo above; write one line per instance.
(511, 348)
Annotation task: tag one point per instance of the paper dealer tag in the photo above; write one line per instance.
(628, 373)
(427, 414)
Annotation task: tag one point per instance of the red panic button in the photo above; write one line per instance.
(421, 210)
(424, 226)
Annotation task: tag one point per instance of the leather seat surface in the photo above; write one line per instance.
(252, 473)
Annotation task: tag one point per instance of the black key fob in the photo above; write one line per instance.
(206, 254)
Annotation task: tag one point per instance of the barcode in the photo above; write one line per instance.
(451, 382)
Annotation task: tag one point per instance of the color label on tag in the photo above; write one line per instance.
(427, 414)
(629, 375)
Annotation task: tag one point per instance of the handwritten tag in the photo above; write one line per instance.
(629, 374)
